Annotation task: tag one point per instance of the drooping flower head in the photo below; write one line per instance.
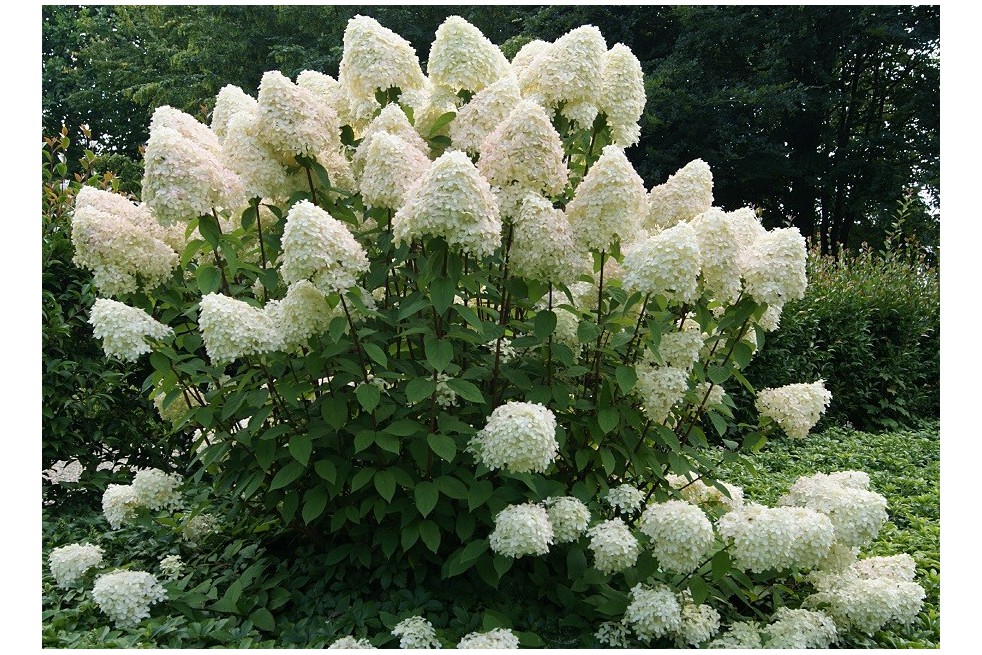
(126, 596)
(700, 622)
(667, 264)
(542, 246)
(795, 407)
(687, 193)
(608, 202)
(519, 436)
(653, 611)
(521, 530)
(231, 100)
(762, 538)
(319, 247)
(856, 512)
(119, 503)
(720, 249)
(258, 167)
(571, 72)
(525, 149)
(622, 96)
(294, 121)
(232, 328)
(390, 169)
(774, 267)
(659, 387)
(69, 563)
(463, 58)
(303, 313)
(124, 330)
(392, 120)
(156, 490)
(485, 111)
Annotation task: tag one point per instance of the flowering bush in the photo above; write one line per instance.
(440, 319)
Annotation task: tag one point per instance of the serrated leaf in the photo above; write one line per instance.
(718, 422)
(607, 460)
(429, 532)
(300, 447)
(208, 228)
(445, 447)
(363, 440)
(427, 496)
(442, 293)
(587, 331)
(439, 352)
(719, 374)
(314, 502)
(418, 389)
(208, 277)
(376, 353)
(608, 417)
(361, 478)
(627, 377)
(368, 396)
(466, 390)
(286, 475)
(325, 469)
(385, 484)
(544, 324)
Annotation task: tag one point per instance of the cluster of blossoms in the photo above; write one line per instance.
(776, 538)
(856, 513)
(569, 518)
(497, 638)
(625, 498)
(62, 472)
(795, 407)
(126, 596)
(352, 643)
(416, 632)
(519, 436)
(522, 530)
(69, 563)
(124, 330)
(681, 534)
(151, 488)
(791, 628)
(698, 492)
(198, 528)
(172, 567)
(613, 546)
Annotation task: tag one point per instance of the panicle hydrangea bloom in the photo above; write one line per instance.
(62, 472)
(416, 632)
(374, 58)
(525, 149)
(746, 225)
(800, 628)
(172, 411)
(571, 72)
(521, 530)
(485, 111)
(303, 313)
(740, 635)
(126, 596)
(124, 330)
(700, 622)
(519, 436)
(233, 328)
(445, 395)
(317, 246)
(700, 493)
(351, 642)
(681, 535)
(497, 638)
(569, 518)
(622, 96)
(392, 120)
(119, 503)
(187, 125)
(294, 121)
(183, 179)
(137, 214)
(667, 264)
(653, 611)
(771, 319)
(856, 512)
(231, 100)
(681, 349)
(542, 246)
(391, 168)
(452, 201)
(715, 391)
(659, 387)
(262, 175)
(431, 107)
(69, 563)
(461, 57)
(720, 251)
(172, 567)
(613, 635)
(795, 407)
(323, 87)
(608, 203)
(156, 490)
(687, 193)
(625, 498)
(762, 538)
(198, 527)
(774, 267)
(524, 58)
(613, 546)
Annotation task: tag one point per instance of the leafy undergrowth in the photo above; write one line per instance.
(312, 609)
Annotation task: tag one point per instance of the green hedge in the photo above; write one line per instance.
(869, 325)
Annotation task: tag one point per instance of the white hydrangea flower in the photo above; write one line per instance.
(622, 96)
(570, 71)
(461, 57)
(653, 611)
(69, 563)
(771, 318)
(698, 492)
(699, 624)
(625, 498)
(156, 490)
(323, 87)
(391, 168)
(261, 173)
(774, 267)
(659, 387)
(351, 642)
(416, 632)
(795, 407)
(445, 395)
(525, 149)
(319, 247)
(667, 264)
(124, 330)
(746, 226)
(524, 58)
(430, 107)
(497, 638)
(303, 313)
(62, 472)
(187, 125)
(126, 596)
(740, 635)
(233, 328)
(137, 214)
(687, 193)
(119, 503)
(715, 391)
(608, 203)
(172, 411)
(800, 628)
(393, 121)
(720, 249)
(339, 172)
(569, 518)
(485, 111)
(681, 349)
(614, 635)
(231, 100)
(681, 535)
(542, 246)
(172, 567)
(452, 201)
(613, 546)
(856, 512)
(778, 538)
(521, 530)
(294, 121)
(519, 436)
(198, 527)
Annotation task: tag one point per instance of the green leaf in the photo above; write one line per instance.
(445, 447)
(719, 374)
(376, 353)
(300, 447)
(451, 487)
(368, 396)
(742, 354)
(209, 278)
(263, 619)
(479, 493)
(429, 532)
(387, 442)
(334, 410)
(418, 389)
(363, 440)
(314, 502)
(718, 422)
(587, 331)
(466, 390)
(209, 229)
(545, 324)
(286, 475)
(473, 550)
(404, 428)
(325, 469)
(427, 496)
(575, 563)
(699, 590)
(608, 418)
(627, 377)
(361, 478)
(439, 352)
(440, 122)
(385, 483)
(721, 565)
(442, 293)
(607, 459)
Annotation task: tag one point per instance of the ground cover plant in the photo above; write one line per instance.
(432, 332)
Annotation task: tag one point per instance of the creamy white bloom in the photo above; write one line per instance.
(523, 60)
(570, 71)
(198, 527)
(762, 538)
(687, 193)
(525, 149)
(485, 111)
(138, 214)
(172, 567)
(740, 635)
(614, 635)
(303, 313)
(521, 530)
(653, 611)
(608, 203)
(497, 638)
(155, 489)
(416, 632)
(795, 407)
(261, 173)
(774, 268)
(231, 100)
(63, 471)
(715, 391)
(351, 642)
(392, 120)
(542, 246)
(294, 121)
(323, 87)
(461, 57)
(431, 107)
(700, 493)
(569, 518)
(720, 249)
(667, 264)
(613, 546)
(445, 395)
(319, 247)
(126, 596)
(681, 535)
(124, 330)
(659, 387)
(187, 125)
(680, 349)
(452, 200)
(391, 168)
(625, 498)
(233, 328)
(519, 436)
(856, 512)
(800, 628)
(699, 624)
(622, 96)
(119, 503)
(69, 563)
